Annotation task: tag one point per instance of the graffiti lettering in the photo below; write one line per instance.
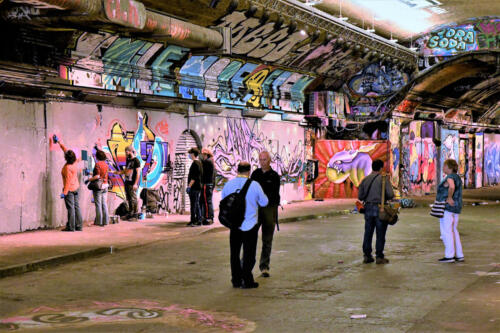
(217, 79)
(153, 154)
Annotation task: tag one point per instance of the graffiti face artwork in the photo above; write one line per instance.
(240, 142)
(353, 164)
(153, 153)
(343, 165)
(372, 85)
(94, 315)
(378, 80)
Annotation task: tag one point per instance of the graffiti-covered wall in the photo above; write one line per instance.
(139, 66)
(235, 139)
(449, 148)
(394, 157)
(449, 40)
(161, 140)
(343, 165)
(478, 159)
(368, 89)
(491, 159)
(419, 158)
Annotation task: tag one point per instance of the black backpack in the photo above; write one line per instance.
(232, 208)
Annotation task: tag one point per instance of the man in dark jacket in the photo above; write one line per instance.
(207, 187)
(370, 191)
(269, 180)
(194, 187)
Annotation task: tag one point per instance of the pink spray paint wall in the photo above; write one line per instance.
(23, 167)
(234, 139)
(83, 126)
(161, 140)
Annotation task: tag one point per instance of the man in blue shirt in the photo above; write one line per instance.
(246, 235)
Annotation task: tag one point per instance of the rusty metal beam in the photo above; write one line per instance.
(134, 15)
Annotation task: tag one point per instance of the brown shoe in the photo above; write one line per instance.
(381, 261)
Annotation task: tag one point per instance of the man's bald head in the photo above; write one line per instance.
(265, 160)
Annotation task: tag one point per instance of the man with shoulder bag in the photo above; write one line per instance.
(242, 223)
(370, 191)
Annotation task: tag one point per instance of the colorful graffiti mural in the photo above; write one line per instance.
(242, 141)
(288, 47)
(491, 159)
(478, 159)
(465, 160)
(394, 157)
(422, 156)
(449, 148)
(446, 41)
(328, 104)
(140, 66)
(343, 165)
(152, 152)
(370, 87)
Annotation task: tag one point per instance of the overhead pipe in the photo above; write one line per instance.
(182, 33)
(133, 14)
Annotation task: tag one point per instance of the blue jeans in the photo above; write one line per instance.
(372, 223)
(207, 207)
(73, 207)
(194, 200)
(101, 207)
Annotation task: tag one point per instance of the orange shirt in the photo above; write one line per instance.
(70, 177)
(101, 169)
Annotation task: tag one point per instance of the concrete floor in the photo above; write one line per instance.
(318, 281)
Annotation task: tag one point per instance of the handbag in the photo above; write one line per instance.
(387, 213)
(437, 209)
(360, 205)
(95, 185)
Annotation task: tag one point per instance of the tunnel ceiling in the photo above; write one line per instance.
(262, 32)
(395, 16)
(470, 81)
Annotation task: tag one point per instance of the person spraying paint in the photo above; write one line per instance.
(71, 184)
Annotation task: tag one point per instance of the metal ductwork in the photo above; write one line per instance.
(133, 14)
(189, 34)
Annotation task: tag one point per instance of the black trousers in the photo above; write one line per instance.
(241, 268)
(207, 207)
(267, 218)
